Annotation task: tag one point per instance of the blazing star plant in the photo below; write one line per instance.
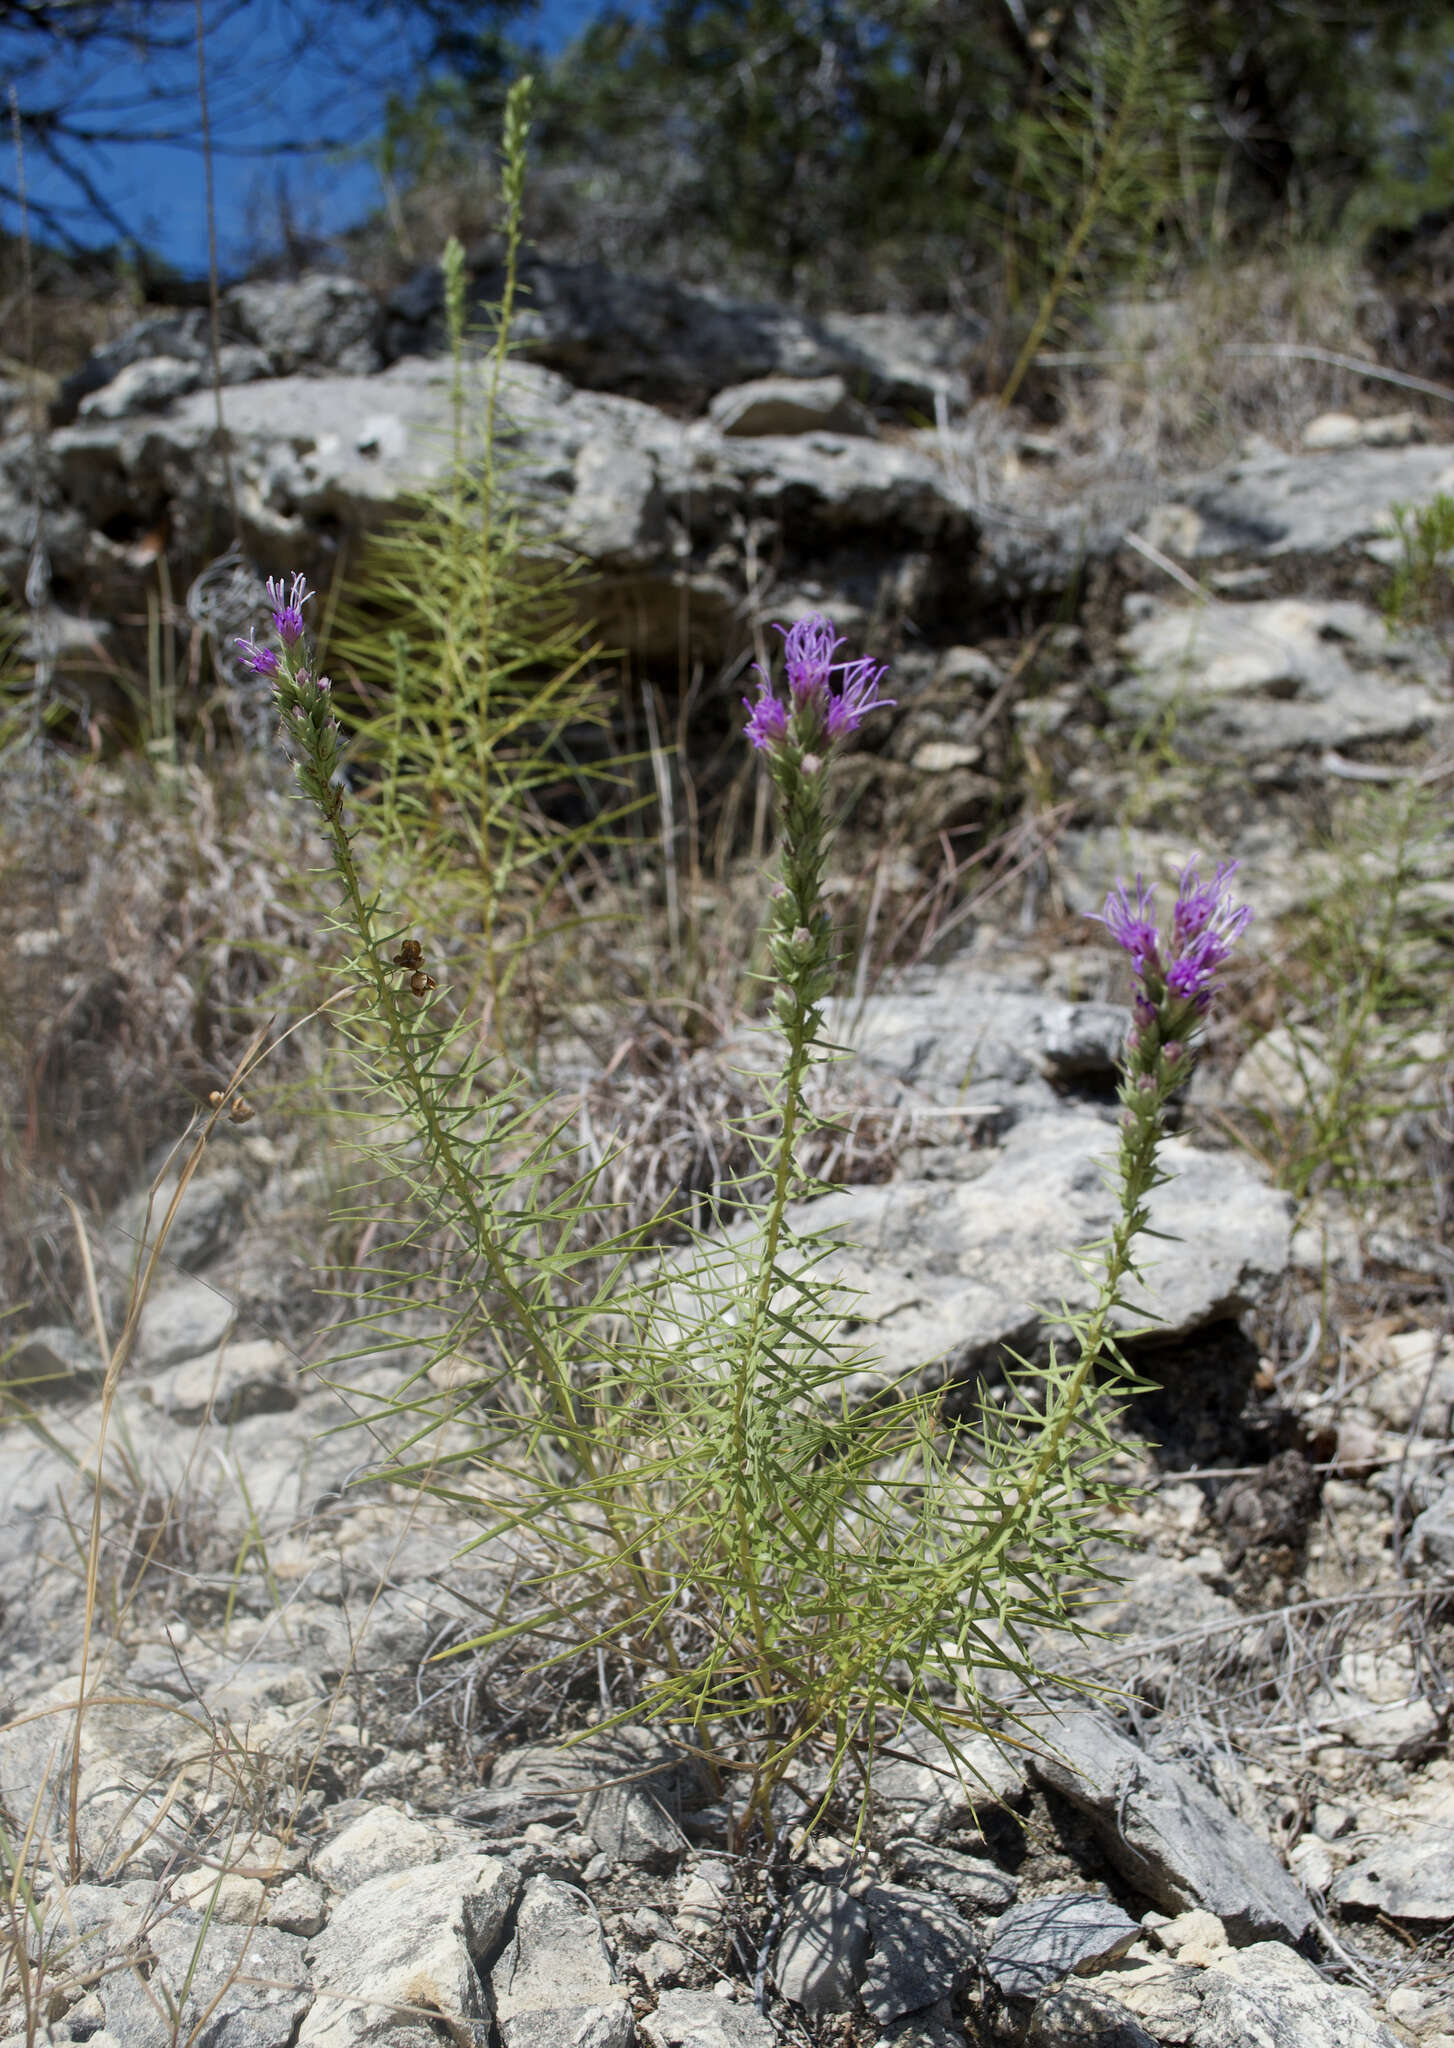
(671, 1448)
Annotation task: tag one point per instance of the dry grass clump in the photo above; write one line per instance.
(1171, 382)
(141, 915)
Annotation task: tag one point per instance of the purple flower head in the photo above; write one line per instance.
(808, 651)
(1205, 925)
(857, 696)
(767, 720)
(261, 660)
(288, 611)
(813, 711)
(1133, 925)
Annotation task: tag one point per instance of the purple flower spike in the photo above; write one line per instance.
(857, 696)
(261, 660)
(1205, 925)
(288, 611)
(767, 721)
(1132, 925)
(808, 651)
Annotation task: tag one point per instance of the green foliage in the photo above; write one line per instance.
(1103, 152)
(1366, 993)
(845, 152)
(666, 1456)
(1421, 592)
(484, 742)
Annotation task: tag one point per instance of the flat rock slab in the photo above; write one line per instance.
(227, 1386)
(182, 1320)
(1044, 1941)
(944, 1275)
(1409, 1877)
(407, 1946)
(1265, 1996)
(555, 1981)
(922, 1952)
(823, 1950)
(980, 1048)
(1165, 1832)
(1270, 503)
(1276, 675)
(699, 2019)
(972, 1882)
(944, 1794)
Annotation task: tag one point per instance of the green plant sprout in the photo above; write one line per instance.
(480, 751)
(1102, 159)
(1421, 592)
(662, 1451)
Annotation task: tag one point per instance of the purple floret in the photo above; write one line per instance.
(263, 661)
(767, 720)
(288, 610)
(1132, 925)
(808, 651)
(1205, 925)
(857, 696)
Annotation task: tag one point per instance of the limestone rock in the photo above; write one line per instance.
(1077, 2017)
(407, 1946)
(922, 1952)
(321, 321)
(1281, 673)
(51, 1362)
(823, 1949)
(1169, 1836)
(699, 2019)
(1269, 503)
(1408, 1877)
(555, 1981)
(1269, 1994)
(974, 1884)
(945, 1795)
(788, 405)
(1043, 1941)
(182, 1319)
(240, 1380)
(231, 1987)
(378, 1842)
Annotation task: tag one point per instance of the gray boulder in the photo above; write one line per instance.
(1275, 675)
(556, 1982)
(404, 1952)
(1165, 1832)
(318, 322)
(823, 1949)
(1044, 1941)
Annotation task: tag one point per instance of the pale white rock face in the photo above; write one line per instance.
(556, 1980)
(380, 1841)
(789, 405)
(1277, 673)
(414, 1940)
